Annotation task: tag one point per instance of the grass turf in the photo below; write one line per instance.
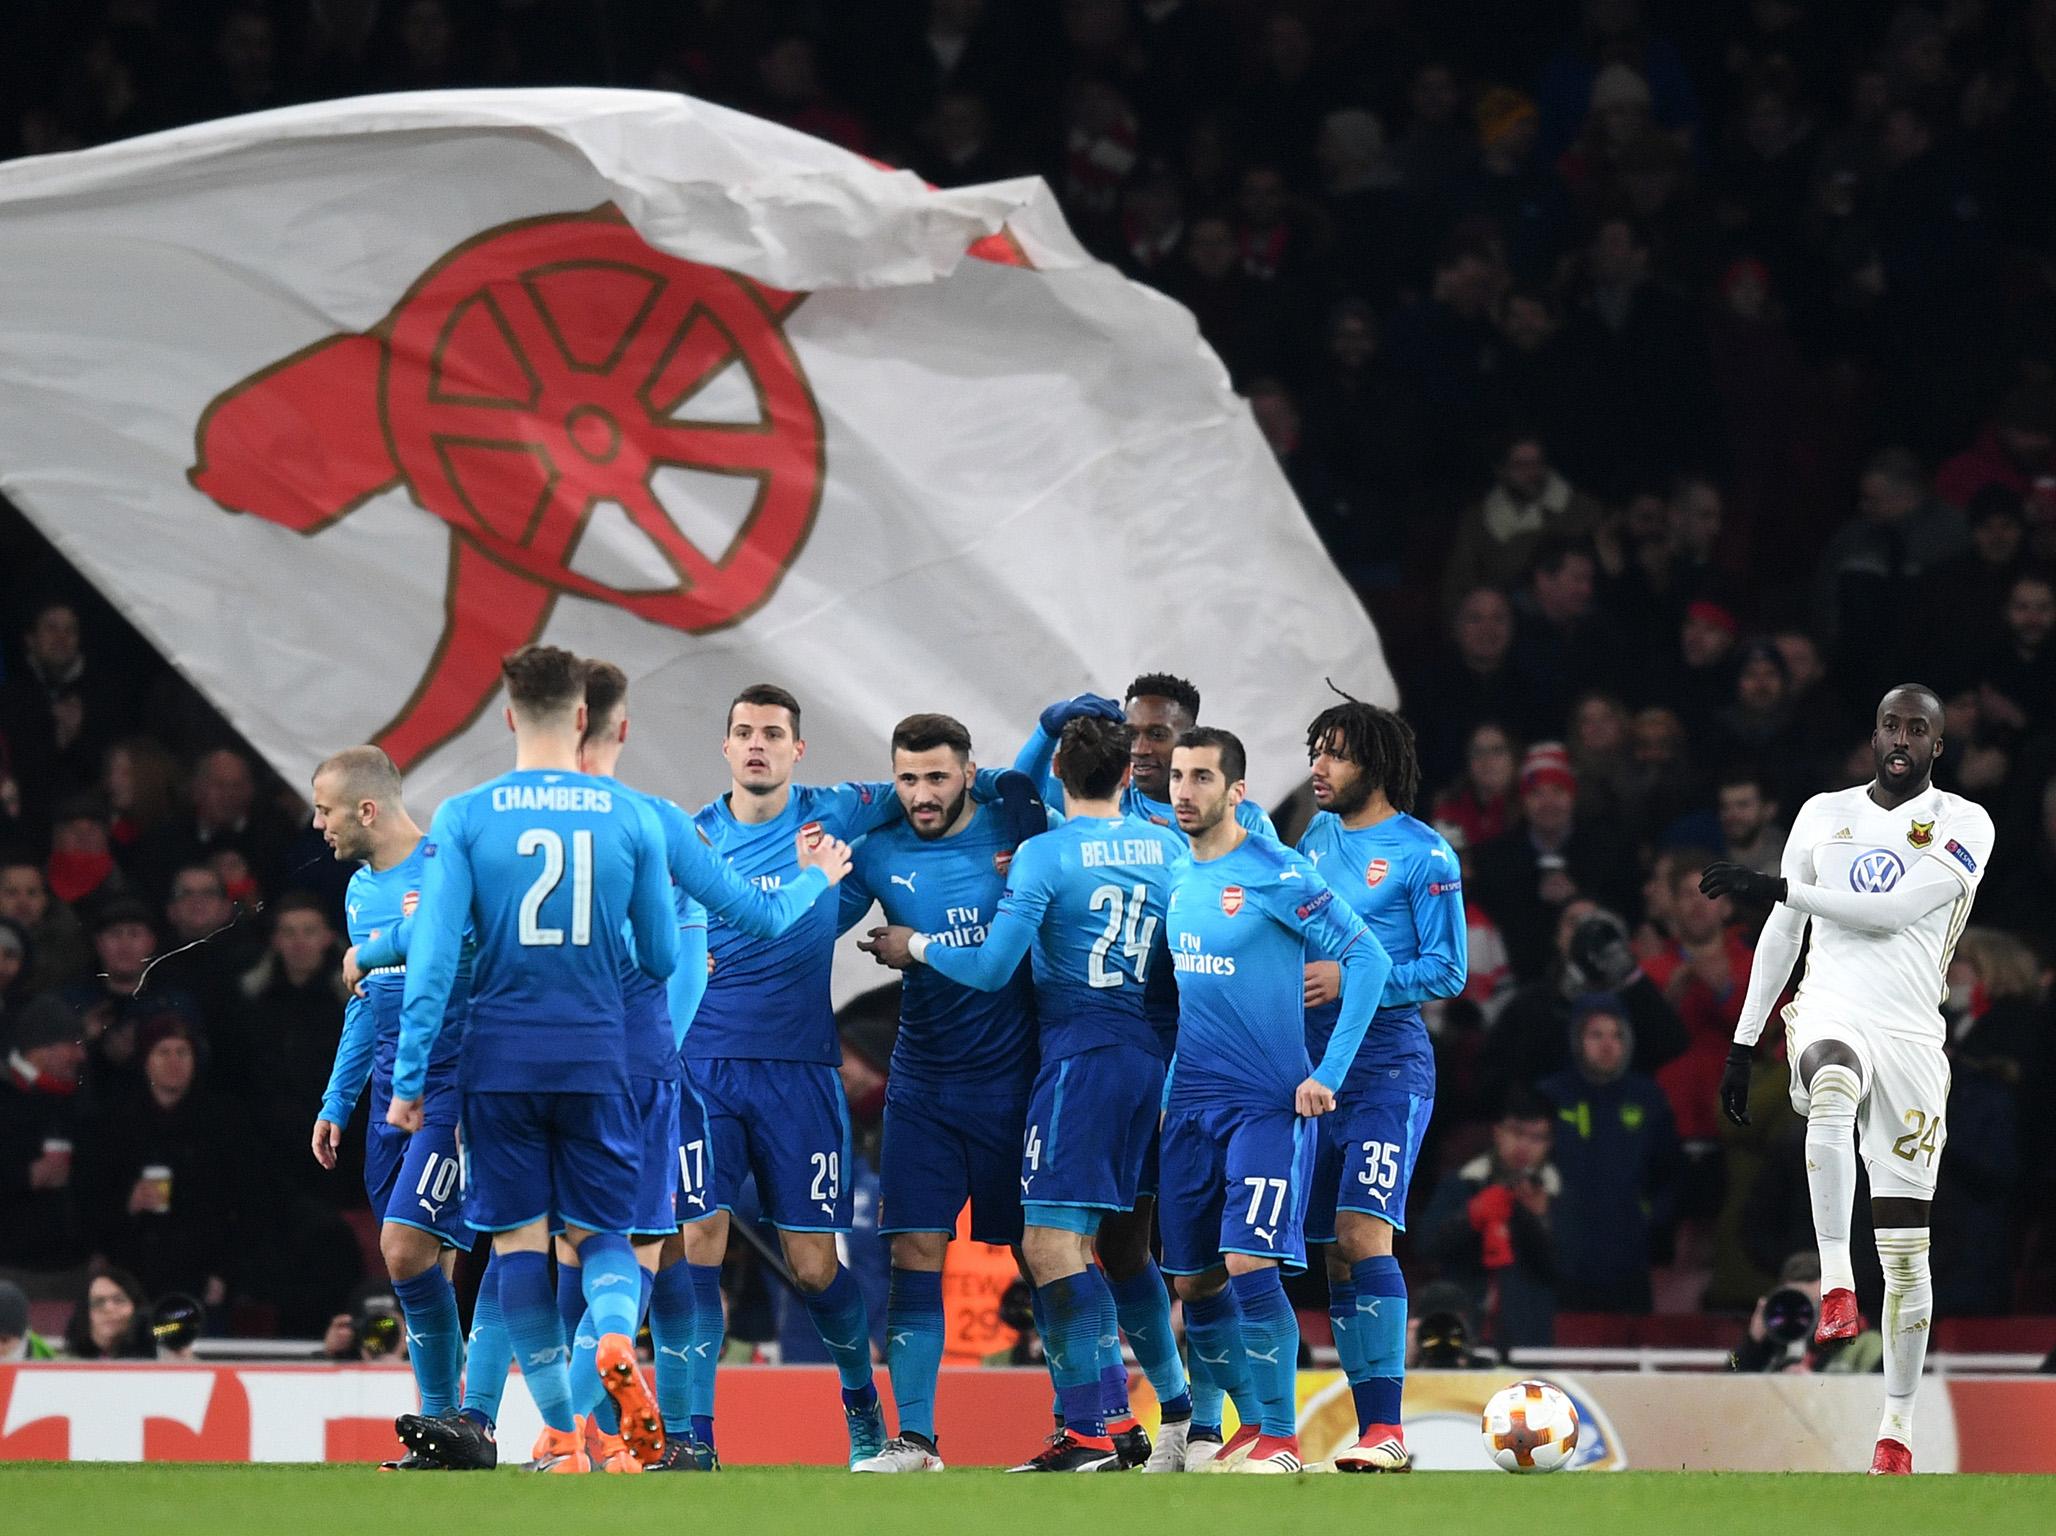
(335, 1500)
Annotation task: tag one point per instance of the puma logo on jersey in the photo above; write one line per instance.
(1268, 1234)
(1287, 874)
(906, 880)
(1268, 1356)
(433, 1210)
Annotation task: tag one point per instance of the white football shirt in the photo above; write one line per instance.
(1888, 893)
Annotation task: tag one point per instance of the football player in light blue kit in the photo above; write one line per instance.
(957, 1091)
(656, 1032)
(1403, 880)
(1158, 709)
(1239, 1119)
(412, 1181)
(1087, 902)
(763, 1054)
(556, 872)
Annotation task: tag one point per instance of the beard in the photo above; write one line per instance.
(951, 810)
(1345, 803)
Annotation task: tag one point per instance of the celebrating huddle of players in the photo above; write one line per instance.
(592, 1016)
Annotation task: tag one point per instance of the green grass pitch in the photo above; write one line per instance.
(336, 1501)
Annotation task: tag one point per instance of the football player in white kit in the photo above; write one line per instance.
(1886, 872)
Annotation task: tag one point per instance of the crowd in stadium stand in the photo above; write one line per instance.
(1669, 379)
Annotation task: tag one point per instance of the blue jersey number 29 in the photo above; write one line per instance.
(546, 842)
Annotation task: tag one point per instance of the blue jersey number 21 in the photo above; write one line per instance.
(547, 843)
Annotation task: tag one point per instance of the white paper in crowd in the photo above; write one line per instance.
(342, 402)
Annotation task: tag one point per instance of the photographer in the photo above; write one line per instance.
(370, 1330)
(1488, 1227)
(1530, 1040)
(1440, 1331)
(1780, 1336)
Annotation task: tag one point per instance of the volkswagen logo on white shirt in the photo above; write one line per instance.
(1876, 871)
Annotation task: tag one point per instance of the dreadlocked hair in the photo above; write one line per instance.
(1377, 741)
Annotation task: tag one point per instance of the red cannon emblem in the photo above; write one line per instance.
(535, 374)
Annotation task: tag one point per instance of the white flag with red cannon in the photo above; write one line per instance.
(343, 402)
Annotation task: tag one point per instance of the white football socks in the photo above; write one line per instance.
(1909, 1308)
(1831, 1169)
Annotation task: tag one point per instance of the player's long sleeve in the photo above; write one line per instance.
(764, 914)
(991, 965)
(387, 947)
(651, 911)
(1777, 951)
(1925, 888)
(1443, 964)
(433, 951)
(1365, 967)
(688, 983)
(352, 1068)
(1036, 757)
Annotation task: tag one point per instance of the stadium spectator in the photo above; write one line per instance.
(18, 1341)
(141, 785)
(81, 870)
(1563, 640)
(1482, 803)
(209, 951)
(1526, 875)
(1530, 1039)
(1869, 571)
(58, 948)
(2016, 678)
(114, 1004)
(111, 1318)
(1502, 534)
(39, 1135)
(1748, 815)
(157, 1186)
(2016, 448)
(1617, 1152)
(285, 1036)
(56, 713)
(1488, 1227)
(1477, 681)
(225, 817)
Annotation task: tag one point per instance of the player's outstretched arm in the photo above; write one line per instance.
(1303, 902)
(688, 984)
(386, 948)
(434, 950)
(988, 966)
(346, 1079)
(707, 877)
(1925, 888)
(651, 912)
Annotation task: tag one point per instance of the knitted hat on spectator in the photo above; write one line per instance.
(1502, 111)
(161, 1027)
(14, 1311)
(123, 909)
(49, 1020)
(1620, 85)
(1548, 762)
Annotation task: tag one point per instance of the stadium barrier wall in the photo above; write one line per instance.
(297, 1413)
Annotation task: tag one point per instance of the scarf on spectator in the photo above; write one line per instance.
(1507, 519)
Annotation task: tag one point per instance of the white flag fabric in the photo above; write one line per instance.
(341, 403)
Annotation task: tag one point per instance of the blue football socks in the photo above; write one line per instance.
(913, 1347)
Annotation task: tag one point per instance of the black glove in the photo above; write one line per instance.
(1734, 1078)
(1721, 878)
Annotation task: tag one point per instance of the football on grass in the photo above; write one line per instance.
(1530, 1427)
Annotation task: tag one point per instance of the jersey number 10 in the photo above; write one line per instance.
(1129, 924)
(546, 842)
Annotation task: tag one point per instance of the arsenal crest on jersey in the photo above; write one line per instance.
(811, 831)
(1231, 900)
(1921, 833)
(409, 902)
(1376, 871)
(1002, 861)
